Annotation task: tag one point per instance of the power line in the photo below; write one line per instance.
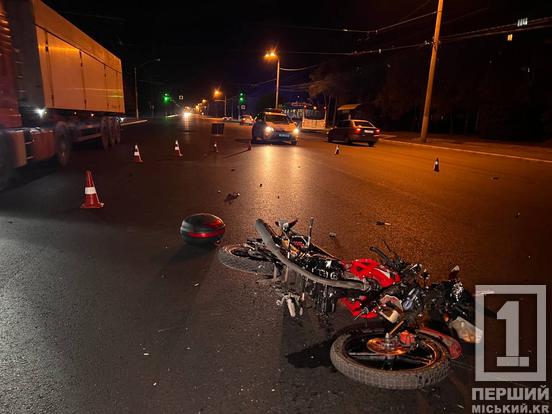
(512, 27)
(298, 69)
(494, 33)
(346, 30)
(536, 24)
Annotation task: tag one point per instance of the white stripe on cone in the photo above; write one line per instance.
(89, 190)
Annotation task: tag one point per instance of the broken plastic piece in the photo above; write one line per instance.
(231, 196)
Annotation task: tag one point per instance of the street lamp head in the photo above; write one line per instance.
(216, 93)
(271, 55)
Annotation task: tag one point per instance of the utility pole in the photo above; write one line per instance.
(277, 81)
(136, 93)
(433, 62)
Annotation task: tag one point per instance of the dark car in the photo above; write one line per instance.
(274, 126)
(351, 130)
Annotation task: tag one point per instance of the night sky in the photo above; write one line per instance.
(203, 45)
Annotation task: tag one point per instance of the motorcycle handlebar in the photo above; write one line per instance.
(384, 257)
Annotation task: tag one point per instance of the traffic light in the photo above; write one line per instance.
(242, 98)
(166, 98)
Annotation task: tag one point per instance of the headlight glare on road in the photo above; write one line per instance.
(269, 130)
(296, 131)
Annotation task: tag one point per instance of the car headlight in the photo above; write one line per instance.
(269, 130)
(296, 131)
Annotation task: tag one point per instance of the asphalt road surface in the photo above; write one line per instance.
(107, 311)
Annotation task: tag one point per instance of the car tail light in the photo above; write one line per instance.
(377, 131)
(358, 130)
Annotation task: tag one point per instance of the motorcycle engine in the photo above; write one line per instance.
(324, 297)
(323, 266)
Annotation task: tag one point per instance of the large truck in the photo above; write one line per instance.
(57, 86)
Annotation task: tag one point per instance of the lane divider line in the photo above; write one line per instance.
(493, 154)
(139, 121)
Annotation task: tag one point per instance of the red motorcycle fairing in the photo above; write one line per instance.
(368, 269)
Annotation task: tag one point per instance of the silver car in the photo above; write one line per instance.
(274, 126)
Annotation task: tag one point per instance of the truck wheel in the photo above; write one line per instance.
(116, 132)
(6, 169)
(104, 129)
(63, 145)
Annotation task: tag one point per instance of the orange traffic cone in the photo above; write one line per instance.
(91, 199)
(177, 149)
(337, 150)
(137, 158)
(436, 165)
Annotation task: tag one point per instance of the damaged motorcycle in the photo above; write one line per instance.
(399, 352)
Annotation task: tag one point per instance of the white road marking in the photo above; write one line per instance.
(138, 121)
(494, 154)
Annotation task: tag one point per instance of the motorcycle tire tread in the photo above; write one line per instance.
(244, 264)
(397, 380)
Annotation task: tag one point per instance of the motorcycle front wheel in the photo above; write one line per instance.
(424, 365)
(246, 259)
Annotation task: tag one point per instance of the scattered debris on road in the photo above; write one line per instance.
(518, 214)
(332, 234)
(261, 184)
(231, 197)
(196, 284)
(436, 165)
(494, 178)
(382, 223)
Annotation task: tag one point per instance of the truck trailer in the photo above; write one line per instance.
(58, 86)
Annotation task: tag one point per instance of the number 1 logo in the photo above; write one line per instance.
(510, 313)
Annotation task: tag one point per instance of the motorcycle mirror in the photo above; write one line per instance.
(454, 272)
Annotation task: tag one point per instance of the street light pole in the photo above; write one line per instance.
(136, 82)
(271, 55)
(433, 62)
(277, 81)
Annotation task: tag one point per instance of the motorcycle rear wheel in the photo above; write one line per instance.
(245, 259)
(427, 365)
